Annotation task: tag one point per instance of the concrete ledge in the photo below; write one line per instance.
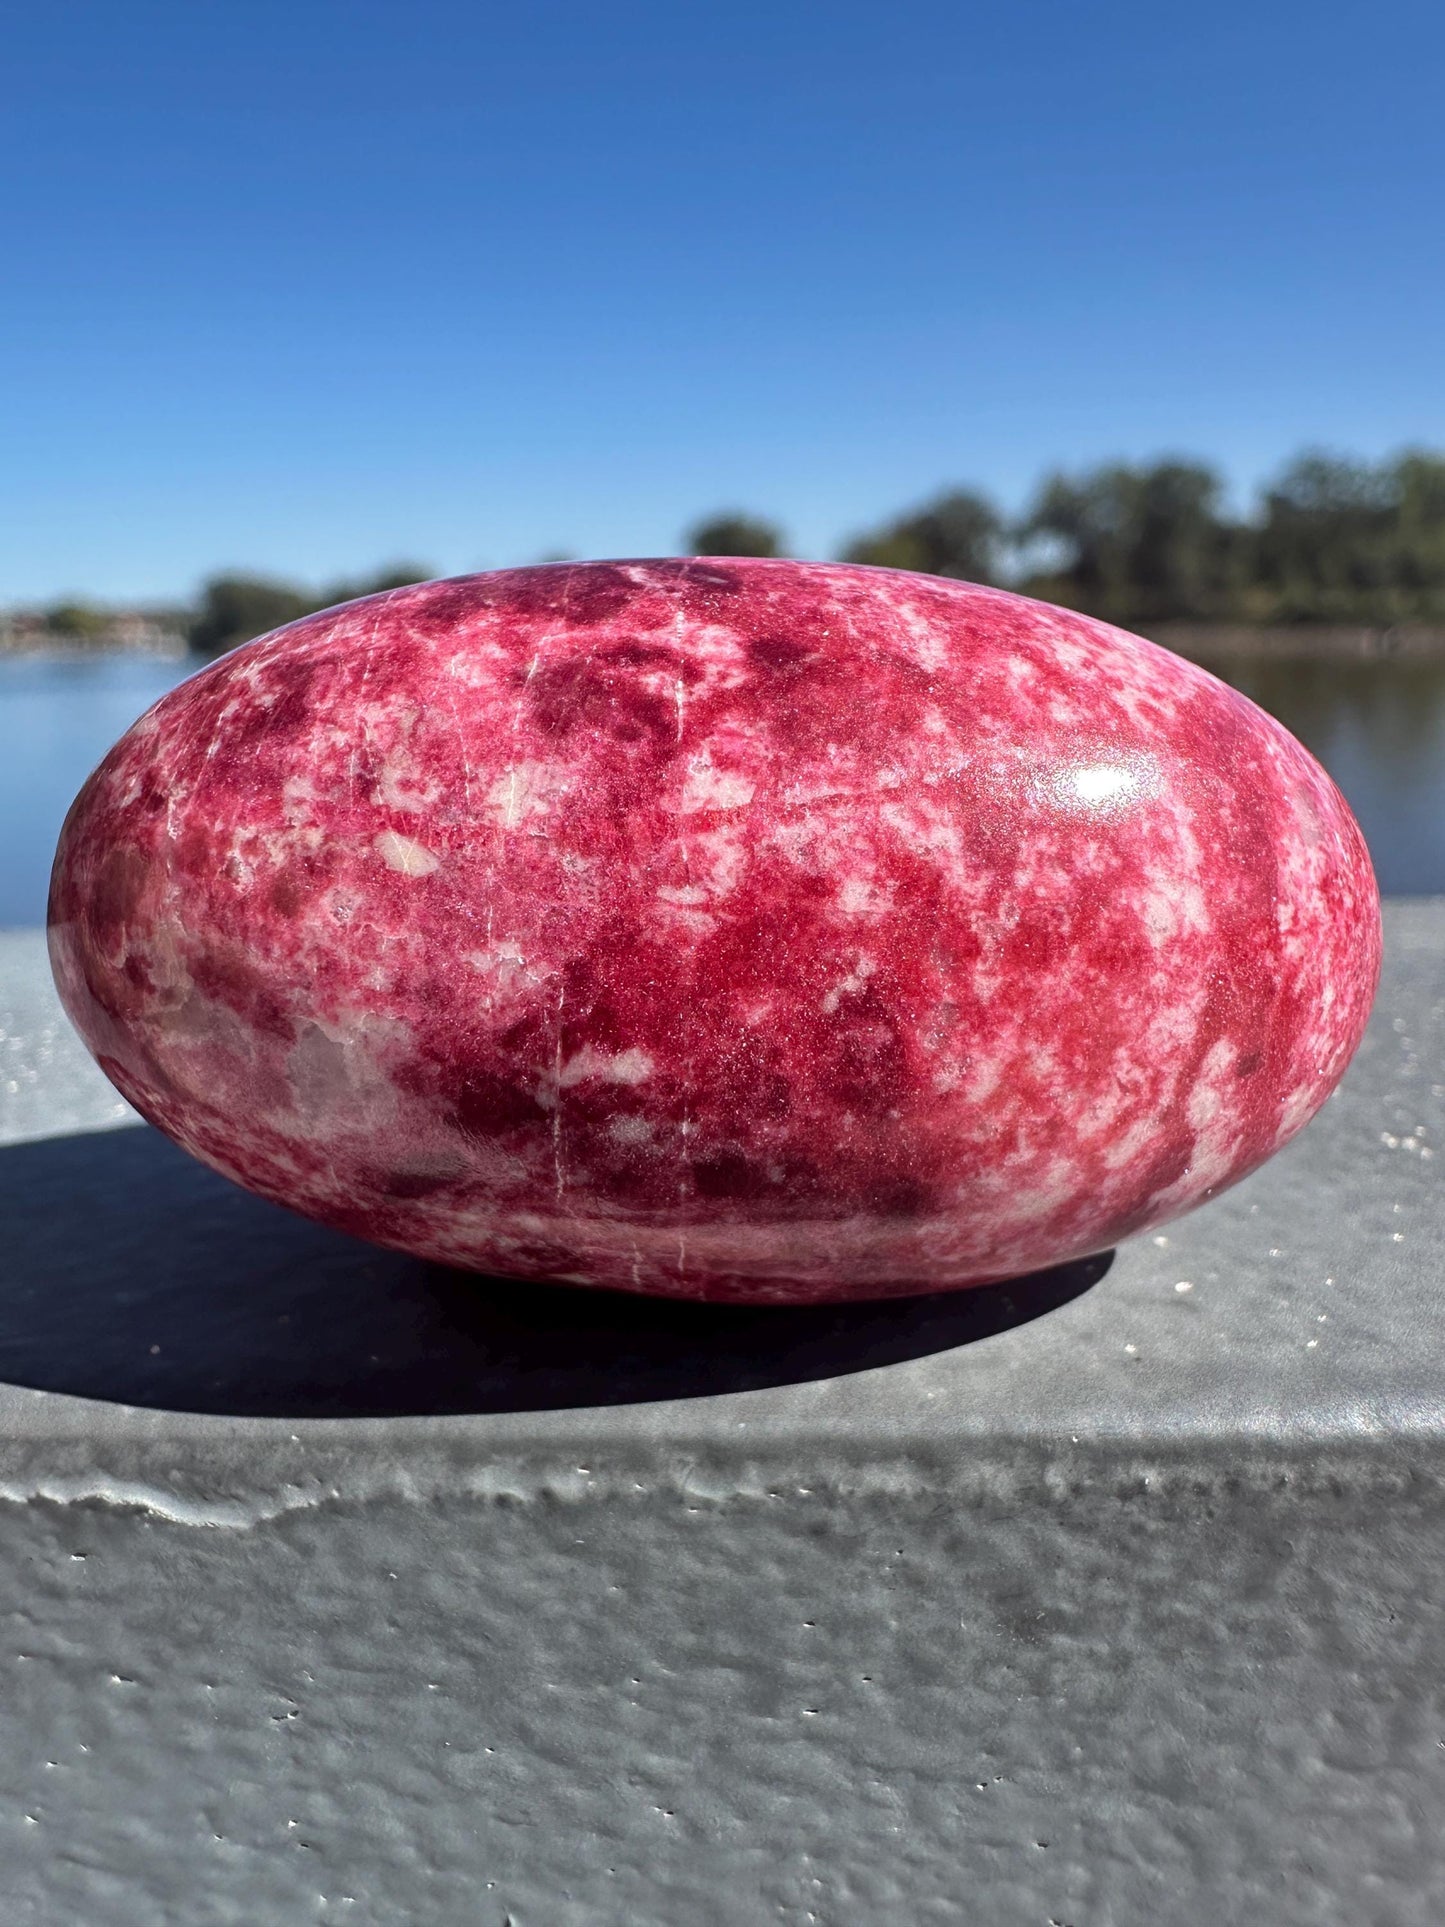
(344, 1589)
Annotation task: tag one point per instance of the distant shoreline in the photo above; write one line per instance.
(52, 647)
(1300, 642)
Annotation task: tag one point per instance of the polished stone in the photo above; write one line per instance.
(741, 930)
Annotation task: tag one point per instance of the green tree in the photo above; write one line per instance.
(396, 575)
(959, 534)
(1341, 540)
(233, 608)
(1420, 487)
(77, 621)
(1322, 551)
(734, 533)
(1137, 544)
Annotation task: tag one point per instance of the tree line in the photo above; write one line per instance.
(230, 609)
(1331, 540)
(234, 608)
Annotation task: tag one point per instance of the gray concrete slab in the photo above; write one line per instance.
(336, 1587)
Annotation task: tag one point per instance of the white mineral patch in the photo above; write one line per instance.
(1131, 1144)
(719, 857)
(850, 985)
(521, 792)
(709, 788)
(403, 786)
(627, 1067)
(337, 1081)
(1214, 1085)
(406, 856)
(861, 896)
(985, 1080)
(1171, 905)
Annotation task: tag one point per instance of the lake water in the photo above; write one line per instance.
(1378, 727)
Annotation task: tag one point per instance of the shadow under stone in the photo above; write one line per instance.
(129, 1272)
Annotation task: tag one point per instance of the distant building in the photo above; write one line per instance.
(144, 632)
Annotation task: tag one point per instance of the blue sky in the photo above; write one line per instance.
(303, 286)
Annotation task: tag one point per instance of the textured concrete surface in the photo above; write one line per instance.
(334, 1588)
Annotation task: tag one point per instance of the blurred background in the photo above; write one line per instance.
(1135, 310)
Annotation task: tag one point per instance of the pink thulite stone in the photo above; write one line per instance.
(739, 930)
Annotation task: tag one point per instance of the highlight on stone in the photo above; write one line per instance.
(748, 930)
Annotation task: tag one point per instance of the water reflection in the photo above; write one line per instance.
(58, 717)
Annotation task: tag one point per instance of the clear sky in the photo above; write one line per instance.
(303, 285)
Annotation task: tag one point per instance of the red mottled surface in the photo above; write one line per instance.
(734, 929)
